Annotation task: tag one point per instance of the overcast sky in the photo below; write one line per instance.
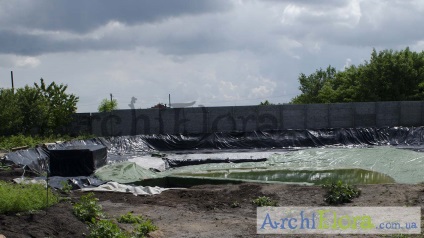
(214, 52)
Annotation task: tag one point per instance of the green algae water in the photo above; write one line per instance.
(349, 176)
(380, 164)
(354, 165)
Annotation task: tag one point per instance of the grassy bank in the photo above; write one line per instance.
(9, 142)
(24, 197)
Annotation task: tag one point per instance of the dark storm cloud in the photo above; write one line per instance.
(21, 22)
(83, 16)
(22, 44)
(31, 45)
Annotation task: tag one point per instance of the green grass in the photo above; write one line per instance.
(9, 142)
(24, 197)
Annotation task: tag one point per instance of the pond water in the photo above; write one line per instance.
(380, 164)
(354, 165)
(350, 176)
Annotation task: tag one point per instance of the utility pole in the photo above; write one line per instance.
(111, 112)
(169, 100)
(11, 78)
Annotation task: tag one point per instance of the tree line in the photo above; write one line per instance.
(40, 109)
(388, 76)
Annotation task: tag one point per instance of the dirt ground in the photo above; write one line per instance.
(199, 211)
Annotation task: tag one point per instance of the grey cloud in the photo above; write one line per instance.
(311, 2)
(212, 33)
(28, 44)
(381, 23)
(80, 18)
(22, 44)
(83, 16)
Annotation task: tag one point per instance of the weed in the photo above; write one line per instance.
(235, 204)
(24, 197)
(4, 167)
(144, 228)
(130, 218)
(105, 229)
(339, 193)
(264, 201)
(66, 187)
(87, 209)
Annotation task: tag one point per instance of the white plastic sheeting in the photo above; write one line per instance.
(122, 188)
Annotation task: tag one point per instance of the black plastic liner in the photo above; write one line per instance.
(75, 182)
(36, 159)
(77, 160)
(283, 139)
(121, 148)
(172, 163)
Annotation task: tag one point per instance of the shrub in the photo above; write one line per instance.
(264, 202)
(339, 193)
(87, 208)
(25, 197)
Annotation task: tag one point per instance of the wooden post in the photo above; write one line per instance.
(11, 78)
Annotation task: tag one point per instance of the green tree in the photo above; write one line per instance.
(388, 76)
(266, 103)
(58, 105)
(42, 109)
(10, 114)
(107, 105)
(393, 76)
(33, 109)
(311, 85)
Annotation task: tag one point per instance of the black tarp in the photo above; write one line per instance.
(77, 182)
(77, 160)
(121, 148)
(281, 139)
(172, 163)
(36, 159)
